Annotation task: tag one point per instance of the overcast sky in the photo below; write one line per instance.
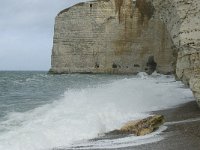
(26, 32)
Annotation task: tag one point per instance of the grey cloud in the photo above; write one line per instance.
(26, 32)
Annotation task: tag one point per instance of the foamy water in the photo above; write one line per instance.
(83, 113)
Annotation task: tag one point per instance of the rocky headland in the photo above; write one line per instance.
(127, 37)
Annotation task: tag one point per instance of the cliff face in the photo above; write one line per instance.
(182, 18)
(111, 36)
(125, 36)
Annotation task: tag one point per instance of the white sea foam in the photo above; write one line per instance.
(84, 113)
(120, 142)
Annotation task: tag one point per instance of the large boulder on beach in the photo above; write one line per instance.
(141, 127)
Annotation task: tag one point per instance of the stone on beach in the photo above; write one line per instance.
(141, 127)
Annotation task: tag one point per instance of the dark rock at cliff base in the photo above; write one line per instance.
(140, 127)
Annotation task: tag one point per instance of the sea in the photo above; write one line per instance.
(40, 111)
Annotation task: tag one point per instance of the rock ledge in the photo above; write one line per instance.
(140, 127)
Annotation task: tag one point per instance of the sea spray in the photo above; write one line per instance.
(83, 113)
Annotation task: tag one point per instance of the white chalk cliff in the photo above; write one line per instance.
(126, 37)
(182, 18)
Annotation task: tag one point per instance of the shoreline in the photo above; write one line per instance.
(183, 129)
(182, 133)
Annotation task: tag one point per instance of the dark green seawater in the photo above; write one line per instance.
(21, 91)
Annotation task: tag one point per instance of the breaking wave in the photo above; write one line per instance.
(84, 113)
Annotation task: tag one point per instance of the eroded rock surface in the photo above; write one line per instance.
(141, 127)
(182, 18)
(125, 36)
(112, 36)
